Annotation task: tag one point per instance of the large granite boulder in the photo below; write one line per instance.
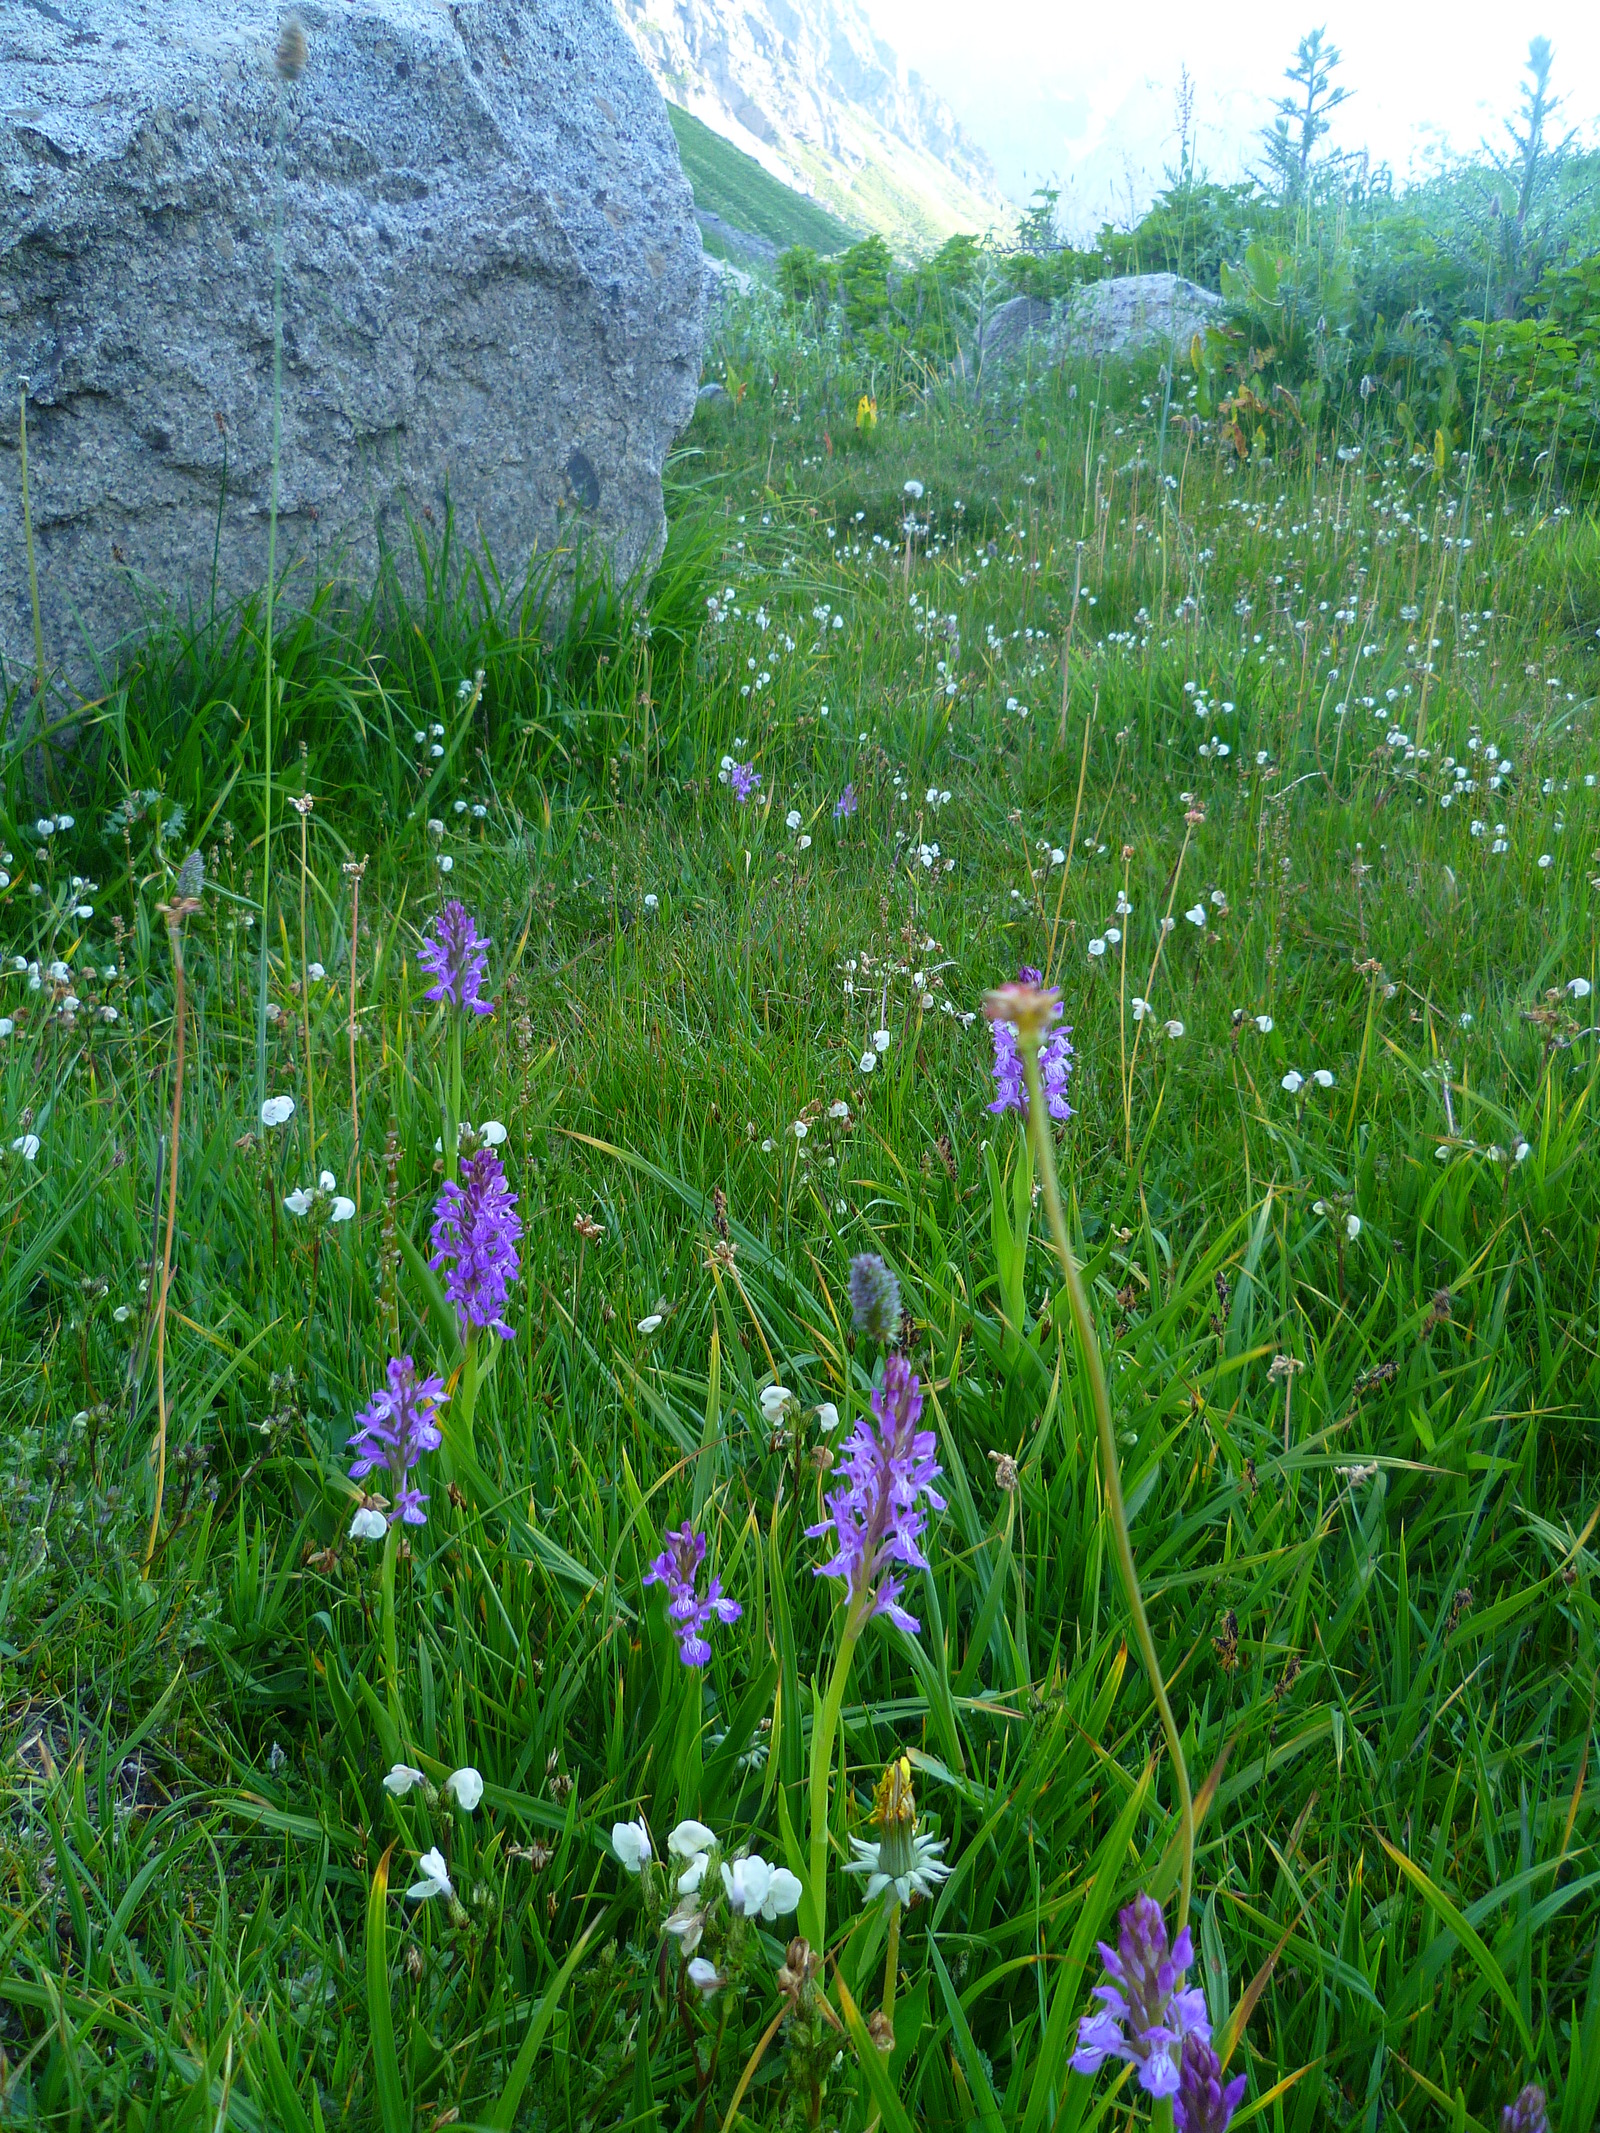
(493, 295)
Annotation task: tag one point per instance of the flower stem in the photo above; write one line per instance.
(391, 1647)
(1111, 1471)
(272, 576)
(891, 1963)
(452, 1116)
(175, 937)
(824, 1729)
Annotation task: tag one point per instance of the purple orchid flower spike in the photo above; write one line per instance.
(678, 1568)
(475, 1232)
(1528, 2114)
(1147, 2012)
(456, 955)
(1055, 1063)
(401, 1424)
(1204, 2102)
(877, 1517)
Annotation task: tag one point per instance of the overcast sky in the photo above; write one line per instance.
(1087, 95)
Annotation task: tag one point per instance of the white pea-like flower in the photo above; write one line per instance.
(868, 1062)
(403, 1779)
(1264, 1024)
(775, 1402)
(649, 1322)
(1323, 1078)
(492, 1133)
(881, 1040)
(465, 1787)
(1352, 1227)
(1174, 1029)
(703, 1975)
(1294, 1081)
(747, 1884)
(300, 1201)
(827, 1417)
(631, 1843)
(1196, 914)
(27, 1146)
(433, 1878)
(791, 820)
(277, 1111)
(368, 1525)
(343, 1208)
(1097, 946)
(1579, 988)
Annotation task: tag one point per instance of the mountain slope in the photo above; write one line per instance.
(733, 188)
(806, 88)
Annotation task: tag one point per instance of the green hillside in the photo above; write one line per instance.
(727, 182)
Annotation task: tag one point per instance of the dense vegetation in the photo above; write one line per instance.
(1283, 767)
(1465, 308)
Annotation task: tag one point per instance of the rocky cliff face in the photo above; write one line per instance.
(808, 89)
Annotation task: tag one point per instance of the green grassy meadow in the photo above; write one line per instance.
(731, 184)
(1285, 773)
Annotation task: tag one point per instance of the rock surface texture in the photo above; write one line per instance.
(493, 295)
(1104, 317)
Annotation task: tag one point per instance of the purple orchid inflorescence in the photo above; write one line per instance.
(1204, 2103)
(394, 1432)
(888, 1467)
(845, 806)
(456, 955)
(1055, 1063)
(745, 780)
(678, 1568)
(1147, 2011)
(1528, 2114)
(475, 1232)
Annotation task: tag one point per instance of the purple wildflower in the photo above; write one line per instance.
(1527, 2114)
(1055, 1063)
(456, 955)
(475, 1232)
(745, 779)
(678, 1567)
(874, 1298)
(1204, 2103)
(887, 1464)
(1147, 2012)
(399, 1426)
(845, 806)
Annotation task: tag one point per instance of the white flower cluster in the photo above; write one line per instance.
(752, 1887)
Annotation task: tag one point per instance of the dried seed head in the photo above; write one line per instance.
(292, 53)
(1005, 1472)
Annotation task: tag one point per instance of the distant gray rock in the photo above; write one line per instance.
(493, 294)
(1137, 311)
(742, 246)
(1102, 318)
(1008, 326)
